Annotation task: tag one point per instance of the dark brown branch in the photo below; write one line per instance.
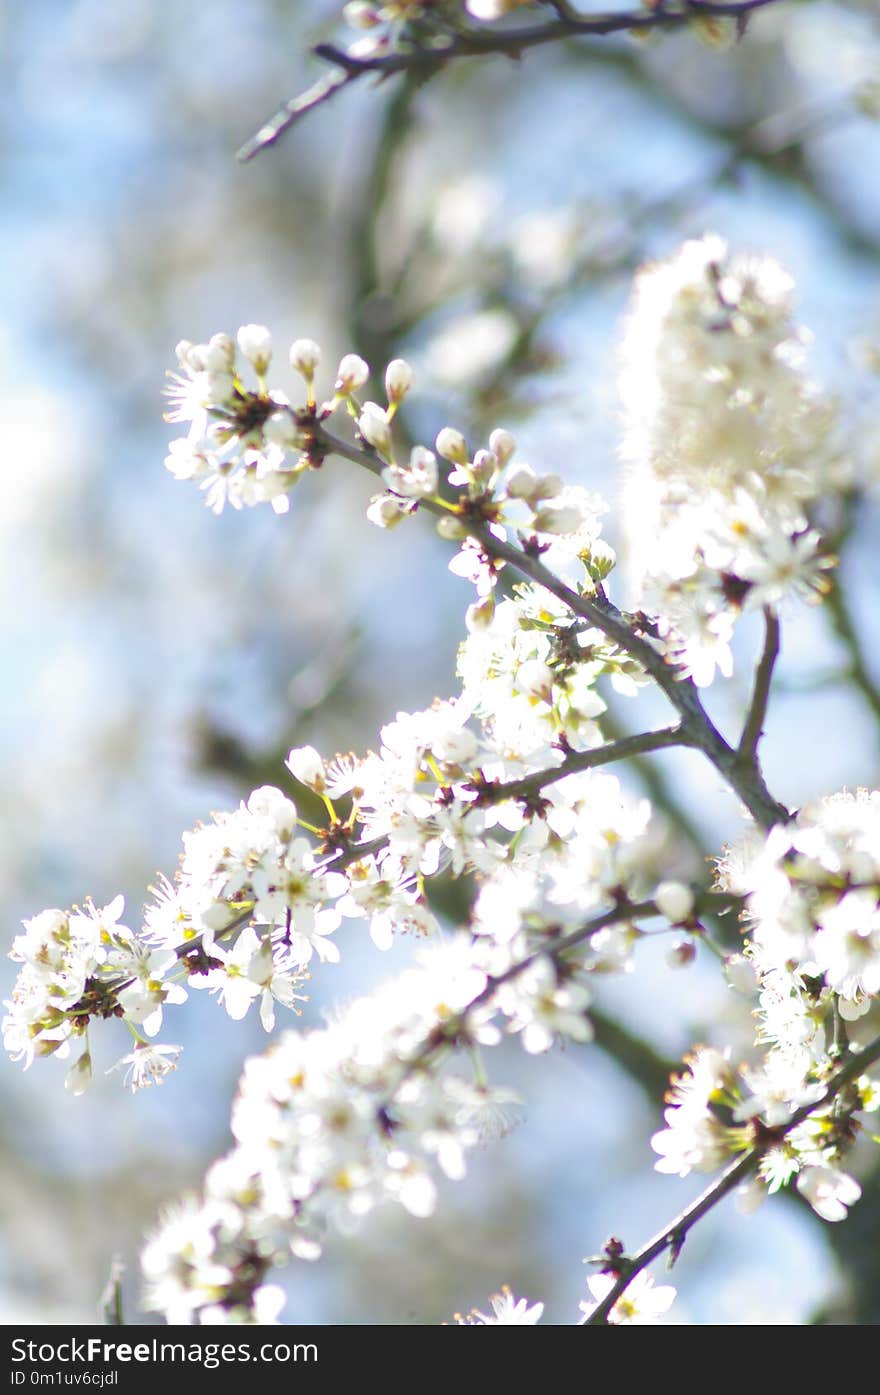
(472, 42)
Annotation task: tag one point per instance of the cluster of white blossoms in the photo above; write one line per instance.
(499, 784)
(248, 445)
(330, 1122)
(246, 913)
(727, 443)
(487, 784)
(812, 912)
(84, 964)
(243, 443)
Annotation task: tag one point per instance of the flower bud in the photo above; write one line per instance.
(547, 487)
(452, 446)
(306, 765)
(220, 388)
(675, 901)
(305, 355)
(79, 1077)
(485, 467)
(374, 427)
(600, 559)
(416, 480)
(398, 380)
(270, 803)
(480, 615)
(502, 445)
(351, 374)
(219, 354)
(255, 342)
(522, 483)
(450, 528)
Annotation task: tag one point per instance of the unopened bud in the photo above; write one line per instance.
(351, 374)
(675, 901)
(502, 445)
(452, 446)
(480, 615)
(398, 379)
(485, 467)
(374, 427)
(452, 529)
(600, 559)
(521, 484)
(255, 342)
(79, 1077)
(305, 355)
(306, 765)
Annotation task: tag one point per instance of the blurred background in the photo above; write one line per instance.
(158, 662)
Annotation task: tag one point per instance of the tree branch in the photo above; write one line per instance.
(576, 761)
(744, 777)
(471, 42)
(672, 1237)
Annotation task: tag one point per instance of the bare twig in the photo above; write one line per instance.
(472, 42)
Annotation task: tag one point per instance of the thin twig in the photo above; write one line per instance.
(471, 42)
(757, 713)
(314, 96)
(530, 785)
(576, 761)
(672, 1236)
